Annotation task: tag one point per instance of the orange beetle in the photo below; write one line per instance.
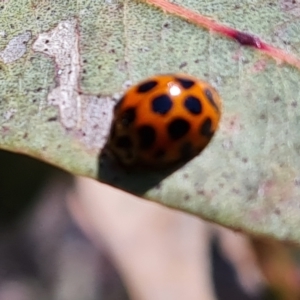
(164, 120)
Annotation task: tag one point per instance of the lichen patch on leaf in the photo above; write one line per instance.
(61, 43)
(95, 122)
(88, 117)
(16, 48)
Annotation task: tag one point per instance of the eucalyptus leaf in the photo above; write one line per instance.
(64, 65)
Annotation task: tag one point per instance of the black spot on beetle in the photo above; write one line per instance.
(178, 128)
(147, 86)
(185, 83)
(128, 116)
(193, 105)
(211, 99)
(162, 104)
(147, 136)
(124, 142)
(205, 128)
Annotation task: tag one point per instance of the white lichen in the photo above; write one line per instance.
(15, 48)
(88, 117)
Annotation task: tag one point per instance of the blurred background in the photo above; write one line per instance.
(64, 238)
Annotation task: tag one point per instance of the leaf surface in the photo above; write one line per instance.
(64, 65)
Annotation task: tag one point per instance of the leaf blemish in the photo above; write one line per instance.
(78, 113)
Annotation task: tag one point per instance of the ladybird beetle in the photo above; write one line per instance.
(164, 120)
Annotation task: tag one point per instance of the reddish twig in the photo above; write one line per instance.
(242, 38)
